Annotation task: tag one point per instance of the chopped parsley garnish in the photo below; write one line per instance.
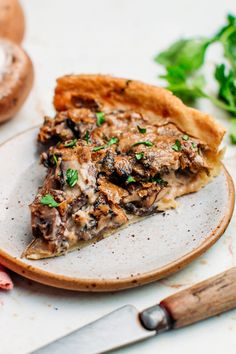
(55, 159)
(130, 179)
(112, 141)
(70, 143)
(185, 137)
(194, 145)
(49, 201)
(100, 118)
(147, 143)
(97, 148)
(177, 146)
(141, 130)
(87, 137)
(71, 177)
(139, 155)
(159, 180)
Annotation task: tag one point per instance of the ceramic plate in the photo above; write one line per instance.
(143, 252)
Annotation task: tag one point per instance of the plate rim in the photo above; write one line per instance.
(105, 285)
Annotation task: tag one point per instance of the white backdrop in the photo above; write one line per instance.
(118, 37)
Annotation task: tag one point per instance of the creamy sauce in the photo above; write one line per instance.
(113, 182)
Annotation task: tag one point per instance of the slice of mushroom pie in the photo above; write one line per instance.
(119, 150)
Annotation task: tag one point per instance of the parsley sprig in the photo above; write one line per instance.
(184, 59)
(233, 131)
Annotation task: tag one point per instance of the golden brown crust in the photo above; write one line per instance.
(16, 79)
(157, 103)
(12, 22)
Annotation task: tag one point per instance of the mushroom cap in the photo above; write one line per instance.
(16, 78)
(12, 21)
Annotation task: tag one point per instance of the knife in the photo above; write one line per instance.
(127, 325)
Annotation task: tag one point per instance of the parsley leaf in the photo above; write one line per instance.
(185, 137)
(130, 179)
(55, 159)
(183, 60)
(227, 87)
(112, 141)
(100, 118)
(185, 86)
(139, 155)
(87, 137)
(147, 143)
(159, 180)
(71, 177)
(177, 146)
(227, 37)
(141, 130)
(49, 201)
(97, 148)
(187, 54)
(233, 132)
(70, 143)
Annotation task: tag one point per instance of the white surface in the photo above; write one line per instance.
(118, 37)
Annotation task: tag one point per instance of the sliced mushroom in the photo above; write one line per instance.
(16, 78)
(12, 22)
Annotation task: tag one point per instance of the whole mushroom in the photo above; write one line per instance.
(12, 22)
(16, 78)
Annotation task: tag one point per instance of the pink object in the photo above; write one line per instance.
(5, 280)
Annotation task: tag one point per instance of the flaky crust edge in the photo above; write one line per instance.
(156, 102)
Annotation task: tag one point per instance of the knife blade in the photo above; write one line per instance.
(126, 325)
(116, 329)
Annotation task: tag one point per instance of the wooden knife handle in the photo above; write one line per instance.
(203, 300)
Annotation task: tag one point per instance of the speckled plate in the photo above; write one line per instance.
(143, 252)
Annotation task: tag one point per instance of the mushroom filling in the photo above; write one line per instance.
(107, 168)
